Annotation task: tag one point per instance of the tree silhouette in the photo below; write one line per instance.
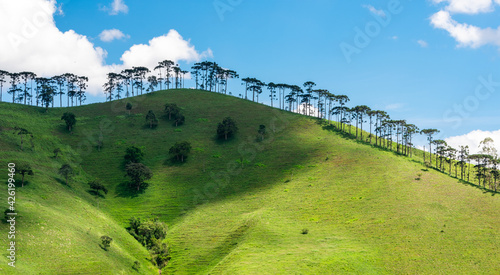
(128, 75)
(179, 120)
(153, 83)
(3, 75)
(59, 81)
(172, 110)
(14, 82)
(429, 133)
(180, 150)
(226, 128)
(66, 171)
(24, 169)
(22, 132)
(45, 91)
(97, 186)
(25, 77)
(70, 120)
(138, 173)
(151, 119)
(128, 107)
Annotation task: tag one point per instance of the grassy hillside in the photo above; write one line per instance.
(363, 208)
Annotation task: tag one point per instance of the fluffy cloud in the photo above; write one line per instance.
(171, 46)
(30, 41)
(110, 35)
(423, 43)
(118, 6)
(473, 139)
(468, 6)
(466, 35)
(373, 10)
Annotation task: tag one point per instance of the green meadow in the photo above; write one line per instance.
(305, 200)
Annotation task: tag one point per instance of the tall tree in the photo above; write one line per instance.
(153, 83)
(3, 75)
(59, 81)
(71, 81)
(24, 169)
(429, 133)
(25, 78)
(128, 75)
(46, 90)
(22, 132)
(140, 75)
(82, 86)
(14, 82)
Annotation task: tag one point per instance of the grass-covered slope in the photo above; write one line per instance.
(363, 208)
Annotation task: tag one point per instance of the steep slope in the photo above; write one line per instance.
(242, 206)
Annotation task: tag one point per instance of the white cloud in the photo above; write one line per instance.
(423, 43)
(473, 139)
(466, 35)
(110, 35)
(373, 10)
(395, 37)
(468, 6)
(34, 43)
(118, 6)
(171, 46)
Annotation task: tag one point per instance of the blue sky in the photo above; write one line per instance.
(426, 62)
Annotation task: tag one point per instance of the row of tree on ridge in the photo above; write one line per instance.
(383, 131)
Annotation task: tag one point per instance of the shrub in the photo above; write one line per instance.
(106, 242)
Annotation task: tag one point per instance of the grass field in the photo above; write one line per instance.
(364, 209)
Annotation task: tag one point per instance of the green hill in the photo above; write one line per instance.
(305, 200)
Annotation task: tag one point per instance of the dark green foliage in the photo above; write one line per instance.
(56, 152)
(133, 154)
(226, 128)
(305, 231)
(172, 110)
(179, 120)
(24, 169)
(97, 186)
(22, 132)
(128, 107)
(151, 119)
(70, 120)
(66, 171)
(180, 150)
(138, 173)
(147, 232)
(136, 266)
(262, 131)
(106, 242)
(151, 234)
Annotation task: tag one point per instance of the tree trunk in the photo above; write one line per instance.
(22, 180)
